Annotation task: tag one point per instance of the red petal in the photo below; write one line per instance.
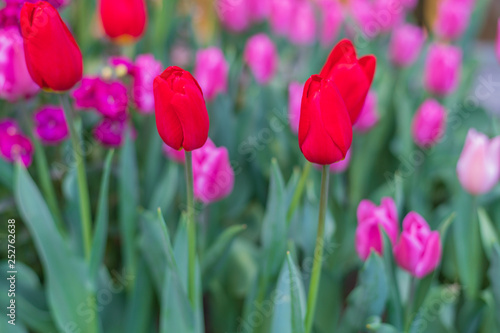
(342, 53)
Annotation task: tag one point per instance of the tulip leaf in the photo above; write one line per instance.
(68, 283)
(375, 324)
(6, 173)
(166, 189)
(494, 274)
(141, 303)
(488, 233)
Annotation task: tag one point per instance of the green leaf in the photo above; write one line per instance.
(141, 303)
(375, 324)
(6, 173)
(129, 201)
(101, 227)
(68, 284)
(494, 276)
(488, 233)
(166, 189)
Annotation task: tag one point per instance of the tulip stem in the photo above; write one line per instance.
(83, 191)
(191, 228)
(318, 251)
(298, 191)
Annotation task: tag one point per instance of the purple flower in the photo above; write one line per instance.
(85, 94)
(110, 132)
(50, 125)
(111, 98)
(146, 68)
(14, 145)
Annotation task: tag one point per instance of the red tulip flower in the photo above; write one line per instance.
(181, 113)
(53, 58)
(123, 20)
(352, 76)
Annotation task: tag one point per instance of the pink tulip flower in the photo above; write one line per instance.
(442, 69)
(295, 90)
(478, 167)
(370, 219)
(145, 69)
(236, 16)
(211, 71)
(281, 16)
(303, 28)
(262, 57)
(418, 250)
(452, 19)
(330, 22)
(50, 125)
(406, 44)
(368, 117)
(429, 124)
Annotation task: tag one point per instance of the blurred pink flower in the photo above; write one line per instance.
(303, 29)
(295, 90)
(370, 219)
(13, 144)
(146, 68)
(478, 167)
(213, 175)
(262, 57)
(452, 19)
(110, 132)
(281, 16)
(368, 117)
(419, 249)
(124, 62)
(406, 43)
(211, 71)
(442, 69)
(341, 166)
(330, 22)
(15, 80)
(387, 14)
(235, 15)
(260, 9)
(362, 13)
(429, 123)
(175, 155)
(85, 94)
(50, 124)
(111, 98)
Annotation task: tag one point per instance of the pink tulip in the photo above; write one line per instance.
(368, 117)
(429, 123)
(478, 167)
(15, 80)
(370, 219)
(498, 41)
(387, 14)
(262, 57)
(442, 69)
(110, 132)
(452, 19)
(14, 146)
(295, 90)
(235, 15)
(211, 71)
(213, 175)
(146, 68)
(406, 44)
(362, 12)
(177, 156)
(331, 21)
(303, 29)
(50, 125)
(260, 10)
(281, 16)
(419, 249)
(341, 166)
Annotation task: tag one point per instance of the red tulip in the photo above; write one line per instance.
(352, 76)
(181, 114)
(53, 58)
(123, 20)
(325, 130)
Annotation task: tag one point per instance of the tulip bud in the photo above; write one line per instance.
(213, 176)
(368, 117)
(14, 146)
(331, 21)
(15, 80)
(181, 114)
(498, 41)
(452, 19)
(325, 130)
(352, 76)
(303, 29)
(478, 167)
(406, 43)
(123, 20)
(442, 69)
(262, 58)
(429, 123)
(211, 70)
(419, 249)
(234, 15)
(50, 125)
(295, 90)
(370, 219)
(53, 58)
(145, 70)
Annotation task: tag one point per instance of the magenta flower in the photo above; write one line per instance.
(50, 125)
(330, 22)
(235, 15)
(370, 219)
(406, 44)
(478, 167)
(452, 19)
(419, 249)
(303, 29)
(15, 80)
(281, 16)
(110, 132)
(368, 117)
(262, 57)
(341, 166)
(259, 10)
(111, 98)
(123, 62)
(213, 175)
(387, 14)
(211, 71)
(175, 155)
(145, 70)
(442, 69)
(429, 123)
(14, 146)
(85, 94)
(295, 90)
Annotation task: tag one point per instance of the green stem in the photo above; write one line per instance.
(83, 191)
(409, 304)
(318, 251)
(298, 192)
(191, 229)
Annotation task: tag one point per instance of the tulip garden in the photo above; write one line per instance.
(281, 166)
